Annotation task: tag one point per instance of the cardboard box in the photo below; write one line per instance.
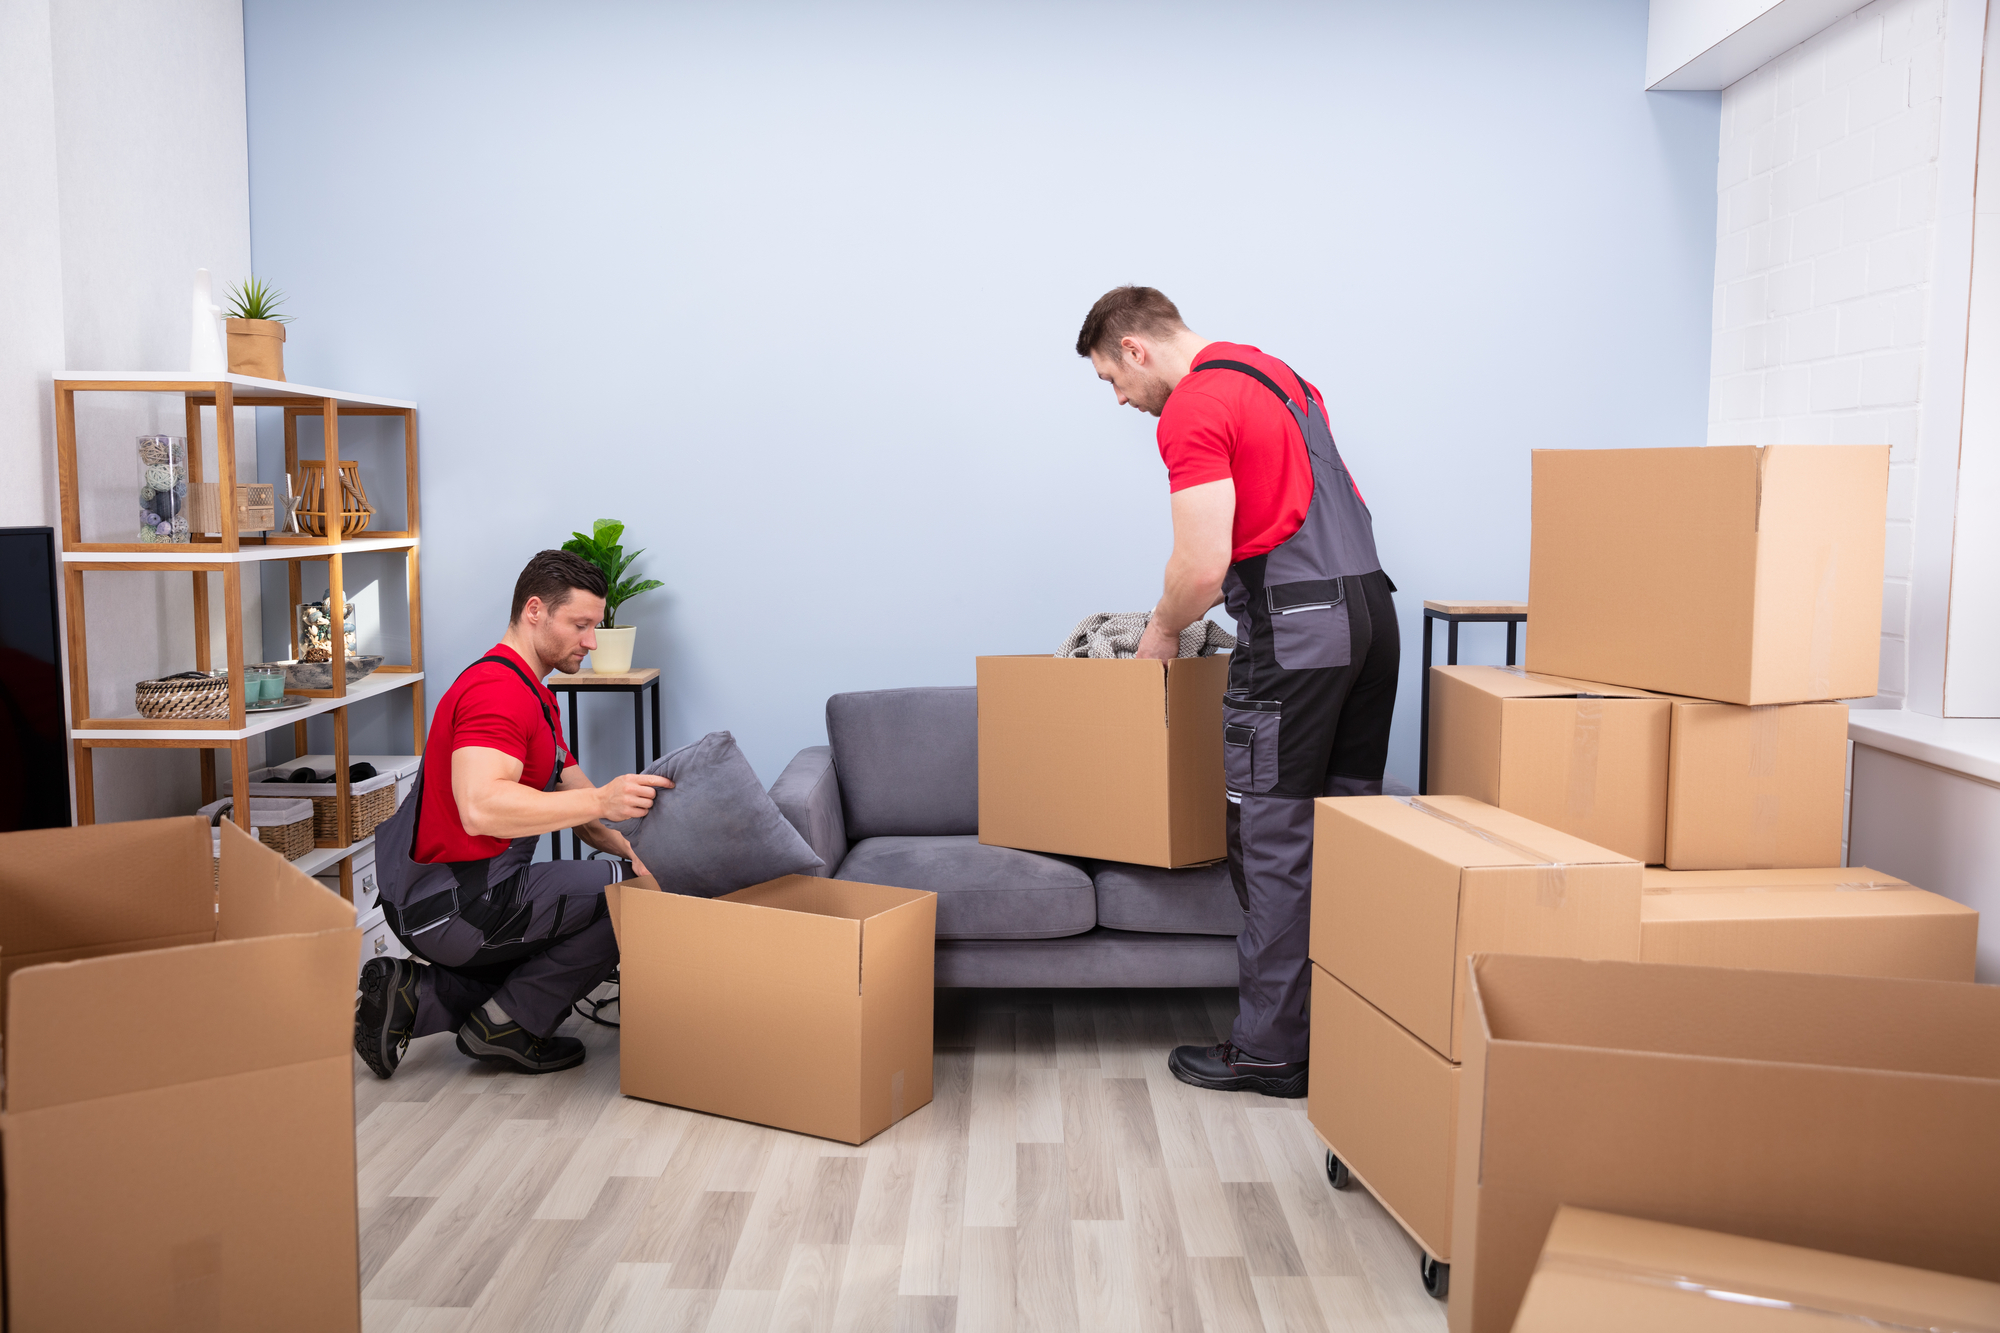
(1585, 758)
(819, 991)
(1850, 1114)
(1750, 575)
(1752, 788)
(1115, 759)
(1387, 1106)
(1855, 921)
(178, 1125)
(1601, 1271)
(1405, 887)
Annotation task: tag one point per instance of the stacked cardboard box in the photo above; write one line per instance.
(1403, 889)
(1697, 614)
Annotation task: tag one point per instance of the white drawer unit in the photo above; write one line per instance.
(365, 891)
(377, 940)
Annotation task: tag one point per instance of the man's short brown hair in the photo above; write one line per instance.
(1124, 311)
(553, 576)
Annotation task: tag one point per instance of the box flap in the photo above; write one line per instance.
(1849, 879)
(132, 1021)
(260, 893)
(790, 950)
(1504, 682)
(105, 884)
(1799, 1018)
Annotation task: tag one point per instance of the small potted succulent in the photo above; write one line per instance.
(602, 548)
(256, 330)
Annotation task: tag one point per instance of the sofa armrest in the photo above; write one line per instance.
(808, 795)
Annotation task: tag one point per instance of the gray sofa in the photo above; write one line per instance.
(894, 799)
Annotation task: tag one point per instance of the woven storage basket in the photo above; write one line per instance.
(192, 695)
(372, 801)
(285, 826)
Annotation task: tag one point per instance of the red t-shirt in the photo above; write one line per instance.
(1223, 423)
(487, 706)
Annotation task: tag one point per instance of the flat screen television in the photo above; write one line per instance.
(34, 732)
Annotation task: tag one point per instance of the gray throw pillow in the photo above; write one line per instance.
(715, 831)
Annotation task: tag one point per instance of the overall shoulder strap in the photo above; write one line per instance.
(540, 702)
(1243, 367)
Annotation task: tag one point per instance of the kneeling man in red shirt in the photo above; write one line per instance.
(503, 947)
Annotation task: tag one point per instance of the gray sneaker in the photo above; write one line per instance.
(512, 1045)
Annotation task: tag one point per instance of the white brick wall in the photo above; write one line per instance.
(1827, 192)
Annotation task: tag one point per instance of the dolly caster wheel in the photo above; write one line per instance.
(1337, 1173)
(1436, 1276)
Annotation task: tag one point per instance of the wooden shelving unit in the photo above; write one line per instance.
(227, 557)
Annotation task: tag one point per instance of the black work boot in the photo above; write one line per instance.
(386, 1013)
(512, 1045)
(1227, 1069)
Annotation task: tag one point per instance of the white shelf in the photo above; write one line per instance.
(322, 859)
(201, 553)
(368, 687)
(248, 386)
(1968, 745)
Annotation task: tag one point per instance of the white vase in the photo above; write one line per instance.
(205, 351)
(613, 653)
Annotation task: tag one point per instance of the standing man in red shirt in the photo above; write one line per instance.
(1266, 518)
(511, 945)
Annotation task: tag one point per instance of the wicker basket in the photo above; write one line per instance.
(192, 695)
(372, 801)
(285, 826)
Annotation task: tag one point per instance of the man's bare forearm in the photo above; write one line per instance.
(605, 838)
(1190, 593)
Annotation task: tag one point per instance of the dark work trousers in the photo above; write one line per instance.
(1307, 733)
(535, 943)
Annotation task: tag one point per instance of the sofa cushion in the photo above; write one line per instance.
(984, 893)
(907, 760)
(1199, 900)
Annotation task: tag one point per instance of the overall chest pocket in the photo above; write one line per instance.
(1309, 624)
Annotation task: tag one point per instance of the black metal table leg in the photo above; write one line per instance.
(638, 731)
(654, 690)
(575, 843)
(1424, 721)
(1511, 627)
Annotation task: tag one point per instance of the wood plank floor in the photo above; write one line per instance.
(1062, 1180)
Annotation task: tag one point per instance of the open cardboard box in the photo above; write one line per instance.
(1405, 887)
(1601, 1271)
(1855, 1115)
(1851, 920)
(803, 1003)
(178, 1123)
(1747, 574)
(1116, 759)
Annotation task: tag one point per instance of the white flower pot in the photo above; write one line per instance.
(614, 650)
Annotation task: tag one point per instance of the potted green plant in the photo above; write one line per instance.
(256, 330)
(602, 548)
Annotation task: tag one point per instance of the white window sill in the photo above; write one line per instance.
(1968, 745)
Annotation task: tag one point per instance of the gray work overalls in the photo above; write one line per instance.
(1312, 686)
(534, 937)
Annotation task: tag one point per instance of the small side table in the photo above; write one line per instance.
(1454, 614)
(635, 683)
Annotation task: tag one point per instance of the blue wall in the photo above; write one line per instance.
(792, 289)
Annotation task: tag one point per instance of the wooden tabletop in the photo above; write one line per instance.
(1478, 608)
(642, 676)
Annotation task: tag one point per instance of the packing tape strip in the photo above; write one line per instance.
(1551, 880)
(1887, 1318)
(1585, 730)
(1820, 643)
(1766, 801)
